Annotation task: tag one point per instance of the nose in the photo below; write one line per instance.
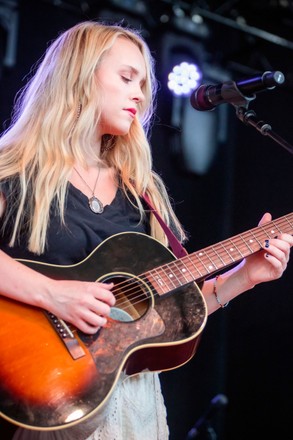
(138, 95)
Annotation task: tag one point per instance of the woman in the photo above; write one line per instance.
(74, 167)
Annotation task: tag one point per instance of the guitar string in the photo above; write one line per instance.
(176, 261)
(258, 230)
(175, 264)
(141, 297)
(180, 274)
(268, 229)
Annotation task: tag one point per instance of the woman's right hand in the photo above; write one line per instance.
(86, 305)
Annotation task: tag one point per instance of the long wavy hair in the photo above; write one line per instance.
(56, 116)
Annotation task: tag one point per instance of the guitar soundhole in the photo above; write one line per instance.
(132, 298)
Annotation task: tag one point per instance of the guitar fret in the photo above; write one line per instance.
(288, 221)
(184, 275)
(158, 279)
(276, 226)
(170, 278)
(163, 283)
(183, 270)
(256, 239)
(171, 275)
(198, 265)
(234, 247)
(160, 283)
(228, 253)
(246, 244)
(199, 255)
(251, 241)
(218, 255)
(267, 234)
(272, 232)
(189, 257)
(211, 266)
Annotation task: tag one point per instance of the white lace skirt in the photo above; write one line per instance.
(135, 411)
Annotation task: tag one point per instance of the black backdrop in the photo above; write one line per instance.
(246, 349)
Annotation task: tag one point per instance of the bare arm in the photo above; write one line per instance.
(84, 304)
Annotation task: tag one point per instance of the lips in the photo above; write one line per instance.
(132, 111)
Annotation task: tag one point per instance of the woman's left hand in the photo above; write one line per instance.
(269, 264)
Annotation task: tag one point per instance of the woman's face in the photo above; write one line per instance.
(120, 79)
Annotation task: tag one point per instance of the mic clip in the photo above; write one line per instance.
(231, 94)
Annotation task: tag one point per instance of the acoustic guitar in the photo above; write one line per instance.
(53, 376)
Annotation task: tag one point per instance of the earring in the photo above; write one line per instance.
(77, 116)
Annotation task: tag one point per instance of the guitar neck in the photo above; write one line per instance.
(199, 265)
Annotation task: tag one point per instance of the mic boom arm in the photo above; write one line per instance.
(248, 117)
(239, 94)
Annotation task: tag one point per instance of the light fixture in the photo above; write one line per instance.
(184, 78)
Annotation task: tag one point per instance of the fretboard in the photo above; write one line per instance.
(201, 264)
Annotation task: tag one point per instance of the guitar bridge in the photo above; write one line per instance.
(72, 344)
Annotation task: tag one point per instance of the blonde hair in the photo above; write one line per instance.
(56, 116)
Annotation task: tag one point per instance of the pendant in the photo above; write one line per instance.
(96, 205)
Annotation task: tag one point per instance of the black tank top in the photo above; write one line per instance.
(83, 229)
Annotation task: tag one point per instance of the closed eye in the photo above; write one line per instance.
(125, 79)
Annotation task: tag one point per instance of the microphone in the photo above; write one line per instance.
(207, 97)
(219, 401)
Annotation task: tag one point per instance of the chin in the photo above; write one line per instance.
(121, 131)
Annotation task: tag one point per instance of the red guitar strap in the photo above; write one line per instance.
(177, 248)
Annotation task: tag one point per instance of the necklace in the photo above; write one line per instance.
(94, 203)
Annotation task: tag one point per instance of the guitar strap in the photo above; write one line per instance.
(177, 248)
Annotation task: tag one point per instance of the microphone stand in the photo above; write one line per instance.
(206, 432)
(233, 95)
(248, 117)
(202, 429)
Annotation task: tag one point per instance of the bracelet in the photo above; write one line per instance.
(216, 294)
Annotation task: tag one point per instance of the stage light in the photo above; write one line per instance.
(198, 135)
(184, 78)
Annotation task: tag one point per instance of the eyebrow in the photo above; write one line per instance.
(134, 70)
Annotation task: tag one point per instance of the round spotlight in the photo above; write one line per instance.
(184, 78)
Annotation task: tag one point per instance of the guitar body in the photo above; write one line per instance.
(42, 386)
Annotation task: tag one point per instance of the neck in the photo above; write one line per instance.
(92, 154)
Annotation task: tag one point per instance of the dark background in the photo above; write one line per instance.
(246, 349)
